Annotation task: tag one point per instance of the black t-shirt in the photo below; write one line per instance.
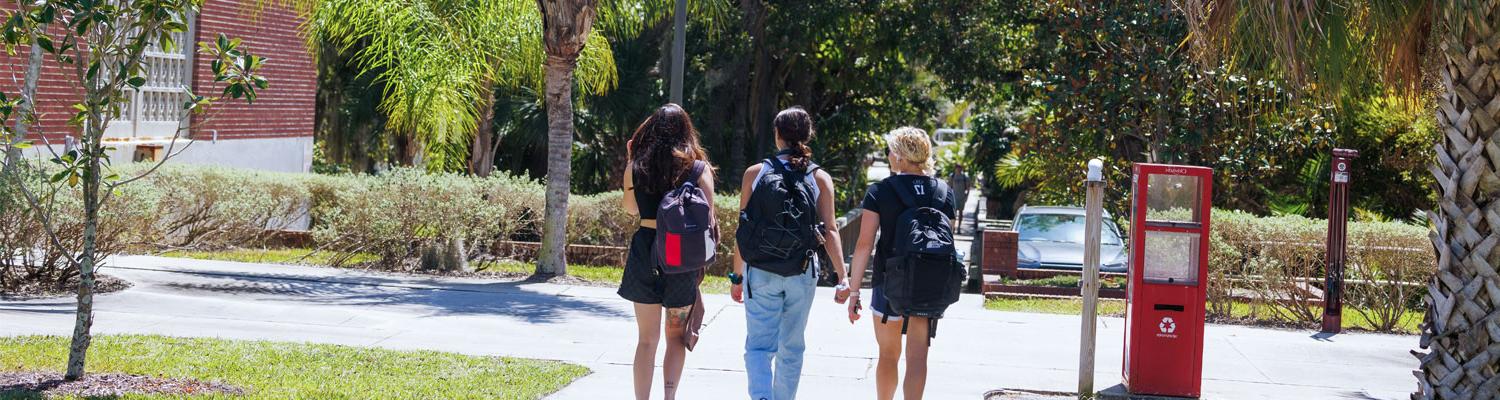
(882, 199)
(645, 201)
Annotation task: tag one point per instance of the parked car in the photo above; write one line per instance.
(1052, 238)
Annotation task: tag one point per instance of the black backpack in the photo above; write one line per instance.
(779, 229)
(922, 274)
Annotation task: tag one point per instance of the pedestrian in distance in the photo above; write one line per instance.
(916, 270)
(786, 220)
(665, 159)
(960, 182)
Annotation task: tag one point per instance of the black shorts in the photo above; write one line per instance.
(645, 283)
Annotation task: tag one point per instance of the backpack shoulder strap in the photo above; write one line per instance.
(696, 172)
(938, 188)
(776, 165)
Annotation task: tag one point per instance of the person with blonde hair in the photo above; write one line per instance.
(910, 186)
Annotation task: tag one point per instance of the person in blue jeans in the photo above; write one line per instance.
(777, 306)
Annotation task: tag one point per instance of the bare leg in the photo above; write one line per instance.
(676, 351)
(888, 336)
(648, 326)
(916, 359)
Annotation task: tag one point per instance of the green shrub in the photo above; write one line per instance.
(217, 207)
(1281, 261)
(28, 256)
(393, 215)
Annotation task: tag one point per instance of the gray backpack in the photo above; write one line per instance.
(687, 239)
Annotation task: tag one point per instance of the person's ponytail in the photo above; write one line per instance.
(794, 127)
(801, 156)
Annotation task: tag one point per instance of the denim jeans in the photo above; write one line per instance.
(776, 317)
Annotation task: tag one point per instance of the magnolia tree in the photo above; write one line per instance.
(101, 45)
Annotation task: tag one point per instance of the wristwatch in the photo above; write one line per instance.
(736, 278)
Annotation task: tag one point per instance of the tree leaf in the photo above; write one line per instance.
(45, 43)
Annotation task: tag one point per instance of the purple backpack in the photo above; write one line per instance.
(687, 239)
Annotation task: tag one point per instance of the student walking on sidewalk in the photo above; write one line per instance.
(664, 154)
(786, 219)
(916, 272)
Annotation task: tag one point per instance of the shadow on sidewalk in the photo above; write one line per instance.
(48, 307)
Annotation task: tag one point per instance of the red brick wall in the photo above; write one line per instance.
(283, 110)
(56, 90)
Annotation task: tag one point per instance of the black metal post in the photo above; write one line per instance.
(1338, 216)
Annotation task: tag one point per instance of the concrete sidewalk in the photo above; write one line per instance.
(976, 350)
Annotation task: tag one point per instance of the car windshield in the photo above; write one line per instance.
(1064, 228)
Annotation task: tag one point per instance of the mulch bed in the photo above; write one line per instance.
(37, 290)
(51, 385)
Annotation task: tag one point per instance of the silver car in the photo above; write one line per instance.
(1052, 238)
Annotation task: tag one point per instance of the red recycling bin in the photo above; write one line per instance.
(1164, 316)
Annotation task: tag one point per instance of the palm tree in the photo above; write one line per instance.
(565, 25)
(442, 60)
(1328, 47)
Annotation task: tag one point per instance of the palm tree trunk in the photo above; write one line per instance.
(482, 152)
(23, 114)
(565, 28)
(552, 259)
(1462, 328)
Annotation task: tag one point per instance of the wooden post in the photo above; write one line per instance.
(1089, 285)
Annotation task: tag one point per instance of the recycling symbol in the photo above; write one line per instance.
(1167, 325)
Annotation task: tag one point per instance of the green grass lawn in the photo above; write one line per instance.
(270, 370)
(273, 256)
(1245, 312)
(603, 275)
(1071, 281)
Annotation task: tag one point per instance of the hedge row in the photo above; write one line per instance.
(1281, 260)
(397, 214)
(393, 215)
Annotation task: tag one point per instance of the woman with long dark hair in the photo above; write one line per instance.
(660, 157)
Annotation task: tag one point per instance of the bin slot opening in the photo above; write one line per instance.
(1170, 224)
(1170, 307)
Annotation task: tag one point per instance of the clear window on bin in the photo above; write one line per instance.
(1171, 257)
(1173, 198)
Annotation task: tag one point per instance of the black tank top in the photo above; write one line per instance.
(644, 201)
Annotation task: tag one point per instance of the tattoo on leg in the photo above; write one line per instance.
(678, 316)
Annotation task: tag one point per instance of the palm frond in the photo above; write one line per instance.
(441, 60)
(627, 18)
(1013, 172)
(1328, 46)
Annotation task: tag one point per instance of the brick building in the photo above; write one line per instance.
(275, 133)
